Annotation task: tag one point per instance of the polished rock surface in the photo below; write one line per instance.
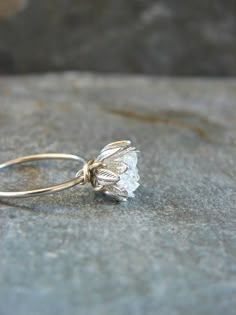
(170, 250)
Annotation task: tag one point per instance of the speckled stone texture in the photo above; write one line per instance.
(191, 37)
(169, 251)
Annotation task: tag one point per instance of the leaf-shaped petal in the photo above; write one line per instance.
(107, 154)
(116, 192)
(117, 144)
(106, 177)
(118, 167)
(121, 153)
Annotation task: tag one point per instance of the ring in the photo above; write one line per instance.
(113, 172)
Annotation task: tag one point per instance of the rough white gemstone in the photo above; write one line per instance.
(120, 161)
(129, 179)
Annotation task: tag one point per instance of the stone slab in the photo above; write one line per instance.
(169, 251)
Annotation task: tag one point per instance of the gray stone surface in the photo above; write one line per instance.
(170, 251)
(138, 36)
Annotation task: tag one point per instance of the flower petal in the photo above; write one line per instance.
(118, 167)
(116, 192)
(117, 144)
(106, 177)
(121, 153)
(107, 154)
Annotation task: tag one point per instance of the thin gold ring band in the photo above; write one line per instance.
(47, 190)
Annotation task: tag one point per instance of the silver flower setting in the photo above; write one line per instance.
(114, 171)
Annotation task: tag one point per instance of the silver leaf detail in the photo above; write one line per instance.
(106, 177)
(107, 154)
(117, 144)
(118, 167)
(117, 192)
(121, 153)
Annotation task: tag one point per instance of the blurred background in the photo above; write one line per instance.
(163, 37)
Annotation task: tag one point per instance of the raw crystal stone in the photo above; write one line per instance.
(129, 179)
(119, 175)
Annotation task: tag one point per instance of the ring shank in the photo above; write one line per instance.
(47, 190)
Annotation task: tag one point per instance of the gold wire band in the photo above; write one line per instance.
(47, 190)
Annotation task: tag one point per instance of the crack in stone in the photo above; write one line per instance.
(157, 119)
